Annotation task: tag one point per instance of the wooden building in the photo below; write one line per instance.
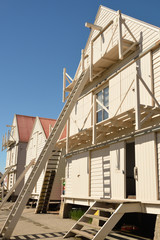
(113, 139)
(40, 132)
(16, 144)
(113, 129)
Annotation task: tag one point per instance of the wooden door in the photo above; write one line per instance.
(146, 161)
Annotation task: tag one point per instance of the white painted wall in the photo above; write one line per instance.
(34, 148)
(156, 73)
(12, 156)
(79, 115)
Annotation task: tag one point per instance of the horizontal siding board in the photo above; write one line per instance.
(100, 173)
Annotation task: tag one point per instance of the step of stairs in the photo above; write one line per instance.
(89, 225)
(96, 216)
(111, 210)
(82, 233)
(108, 212)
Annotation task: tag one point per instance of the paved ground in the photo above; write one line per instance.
(48, 227)
(38, 226)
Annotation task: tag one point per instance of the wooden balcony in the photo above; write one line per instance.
(112, 56)
(109, 46)
(120, 125)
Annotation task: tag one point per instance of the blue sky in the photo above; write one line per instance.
(40, 37)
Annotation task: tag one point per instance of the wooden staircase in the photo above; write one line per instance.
(109, 213)
(1, 194)
(20, 178)
(43, 202)
(46, 154)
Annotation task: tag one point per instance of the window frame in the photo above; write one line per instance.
(104, 99)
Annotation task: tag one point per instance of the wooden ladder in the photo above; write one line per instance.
(109, 215)
(1, 193)
(46, 153)
(50, 172)
(20, 178)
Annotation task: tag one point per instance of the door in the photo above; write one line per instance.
(117, 163)
(146, 162)
(130, 165)
(80, 175)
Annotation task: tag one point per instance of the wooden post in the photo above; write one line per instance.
(120, 35)
(89, 175)
(156, 165)
(94, 120)
(82, 59)
(152, 78)
(67, 135)
(64, 83)
(91, 62)
(137, 101)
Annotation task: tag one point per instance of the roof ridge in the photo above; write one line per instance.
(25, 116)
(48, 118)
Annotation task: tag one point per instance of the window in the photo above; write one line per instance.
(102, 97)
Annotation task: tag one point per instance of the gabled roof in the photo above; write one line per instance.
(46, 122)
(25, 125)
(101, 7)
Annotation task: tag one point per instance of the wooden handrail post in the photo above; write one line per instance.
(91, 62)
(94, 120)
(67, 135)
(137, 101)
(120, 35)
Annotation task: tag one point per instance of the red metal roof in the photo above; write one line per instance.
(64, 133)
(46, 122)
(25, 125)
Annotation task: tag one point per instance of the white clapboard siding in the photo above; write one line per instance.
(117, 159)
(145, 72)
(68, 179)
(100, 173)
(34, 148)
(146, 161)
(156, 73)
(12, 155)
(118, 87)
(78, 117)
(158, 158)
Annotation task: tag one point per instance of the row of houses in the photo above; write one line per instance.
(24, 144)
(112, 143)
